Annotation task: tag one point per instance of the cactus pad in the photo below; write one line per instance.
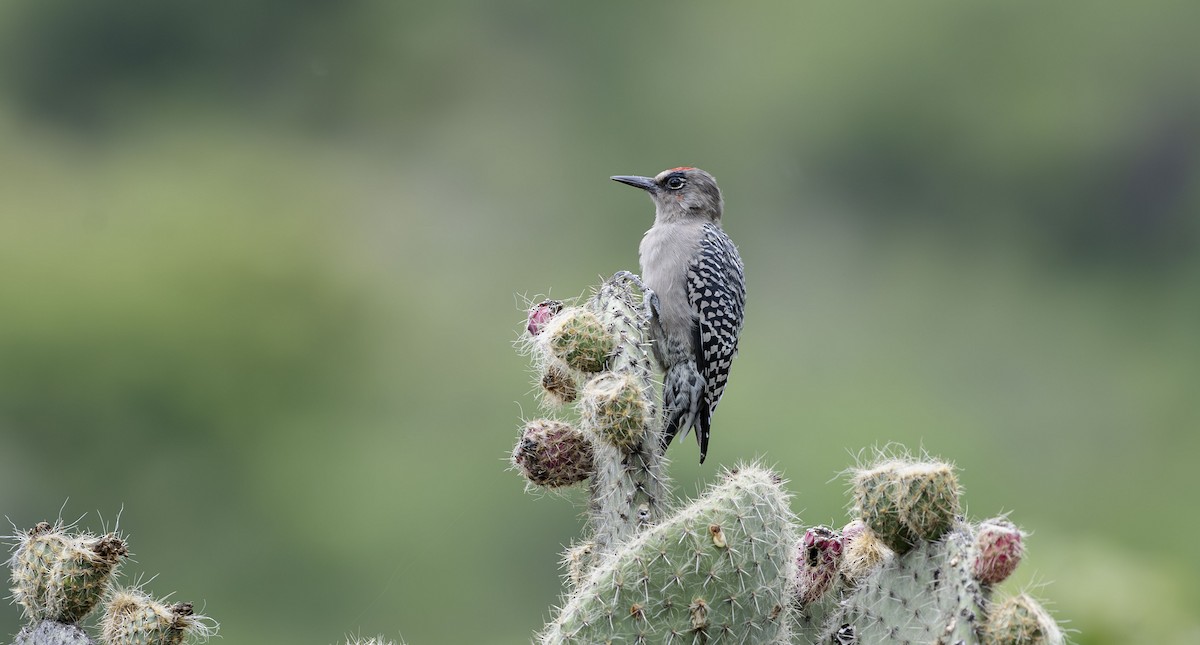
(133, 618)
(718, 569)
(61, 577)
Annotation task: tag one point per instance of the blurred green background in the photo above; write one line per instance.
(262, 263)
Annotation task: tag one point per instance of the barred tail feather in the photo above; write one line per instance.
(683, 405)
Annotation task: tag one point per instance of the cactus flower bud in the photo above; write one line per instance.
(818, 558)
(540, 314)
(998, 551)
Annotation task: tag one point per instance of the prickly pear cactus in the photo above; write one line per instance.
(911, 569)
(594, 354)
(58, 579)
(61, 577)
(718, 570)
(734, 565)
(133, 618)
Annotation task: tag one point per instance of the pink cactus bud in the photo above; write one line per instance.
(541, 314)
(998, 551)
(818, 557)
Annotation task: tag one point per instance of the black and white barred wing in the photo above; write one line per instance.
(716, 289)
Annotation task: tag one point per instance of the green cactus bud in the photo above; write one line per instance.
(718, 570)
(578, 338)
(553, 454)
(904, 502)
(61, 577)
(1020, 620)
(378, 640)
(133, 618)
(558, 385)
(998, 550)
(616, 409)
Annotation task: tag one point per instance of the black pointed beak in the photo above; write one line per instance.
(645, 183)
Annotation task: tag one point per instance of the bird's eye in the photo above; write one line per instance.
(675, 183)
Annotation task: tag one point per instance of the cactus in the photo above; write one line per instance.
(720, 568)
(133, 618)
(915, 571)
(59, 577)
(734, 565)
(904, 501)
(602, 343)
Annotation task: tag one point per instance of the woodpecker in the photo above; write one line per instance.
(698, 280)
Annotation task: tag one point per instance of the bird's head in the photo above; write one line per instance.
(680, 194)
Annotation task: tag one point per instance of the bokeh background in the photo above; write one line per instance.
(262, 264)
